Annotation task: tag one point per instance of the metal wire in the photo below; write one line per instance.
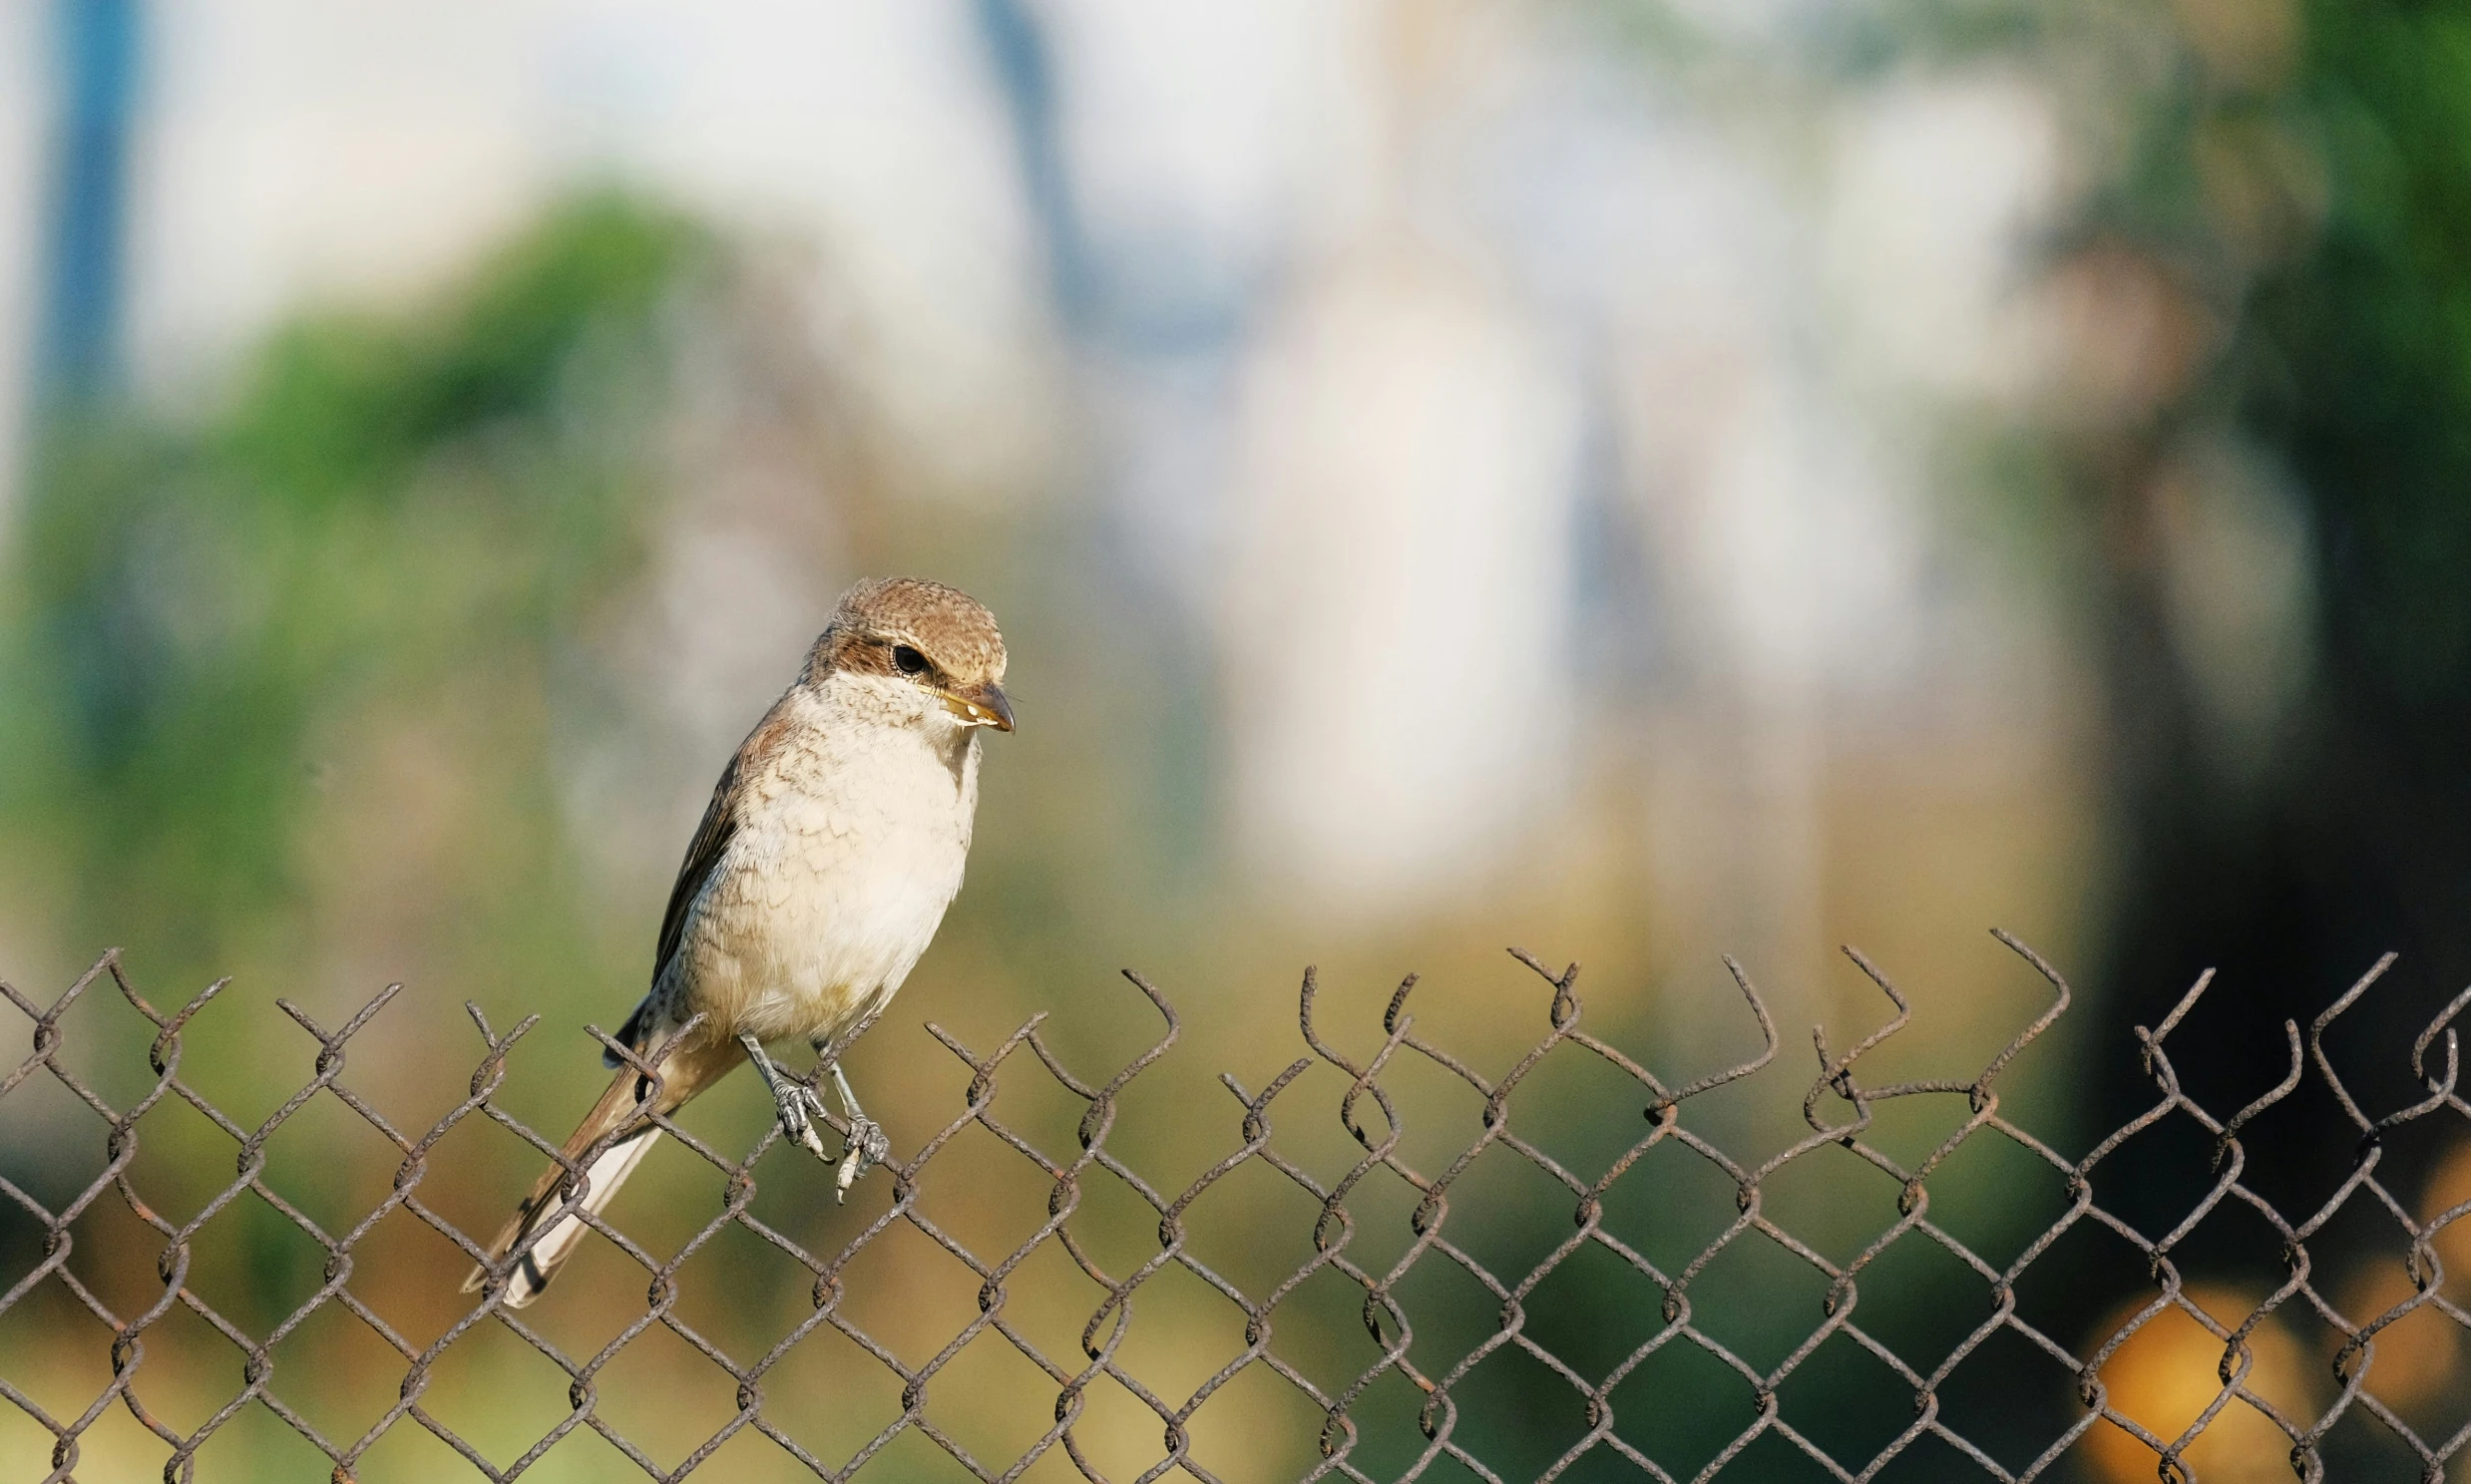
(1838, 1110)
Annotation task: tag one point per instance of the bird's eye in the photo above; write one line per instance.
(908, 660)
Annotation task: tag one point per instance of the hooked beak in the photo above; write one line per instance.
(981, 705)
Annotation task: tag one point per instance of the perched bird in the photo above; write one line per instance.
(833, 843)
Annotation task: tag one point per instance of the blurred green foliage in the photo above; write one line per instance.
(386, 501)
(2362, 364)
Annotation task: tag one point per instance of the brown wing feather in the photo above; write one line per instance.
(703, 855)
(712, 837)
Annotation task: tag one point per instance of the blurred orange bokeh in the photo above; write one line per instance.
(2169, 1371)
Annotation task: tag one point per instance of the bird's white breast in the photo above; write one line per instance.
(850, 844)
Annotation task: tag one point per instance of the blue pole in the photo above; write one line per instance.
(1026, 74)
(78, 354)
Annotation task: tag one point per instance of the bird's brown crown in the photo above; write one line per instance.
(881, 616)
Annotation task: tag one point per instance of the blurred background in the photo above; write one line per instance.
(1634, 479)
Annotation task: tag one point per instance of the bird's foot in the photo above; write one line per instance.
(801, 1111)
(865, 1146)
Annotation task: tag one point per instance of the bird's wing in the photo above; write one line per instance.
(720, 823)
(703, 856)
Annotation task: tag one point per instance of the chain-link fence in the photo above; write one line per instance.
(1596, 1283)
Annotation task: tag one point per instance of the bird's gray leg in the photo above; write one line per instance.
(800, 1107)
(866, 1146)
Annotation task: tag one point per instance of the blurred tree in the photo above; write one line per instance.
(383, 503)
(2313, 187)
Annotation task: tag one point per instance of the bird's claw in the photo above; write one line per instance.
(801, 1110)
(865, 1146)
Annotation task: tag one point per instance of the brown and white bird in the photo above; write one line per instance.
(834, 841)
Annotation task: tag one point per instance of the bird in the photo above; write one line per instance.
(833, 843)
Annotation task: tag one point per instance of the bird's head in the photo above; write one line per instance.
(922, 651)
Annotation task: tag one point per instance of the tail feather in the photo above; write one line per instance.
(566, 1226)
(607, 1145)
(546, 1206)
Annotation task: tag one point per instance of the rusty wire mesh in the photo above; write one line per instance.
(1433, 1345)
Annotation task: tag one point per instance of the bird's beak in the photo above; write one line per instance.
(981, 705)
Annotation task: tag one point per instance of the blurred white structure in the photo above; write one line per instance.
(1397, 592)
(1519, 301)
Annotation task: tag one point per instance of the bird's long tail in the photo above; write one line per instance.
(606, 1161)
